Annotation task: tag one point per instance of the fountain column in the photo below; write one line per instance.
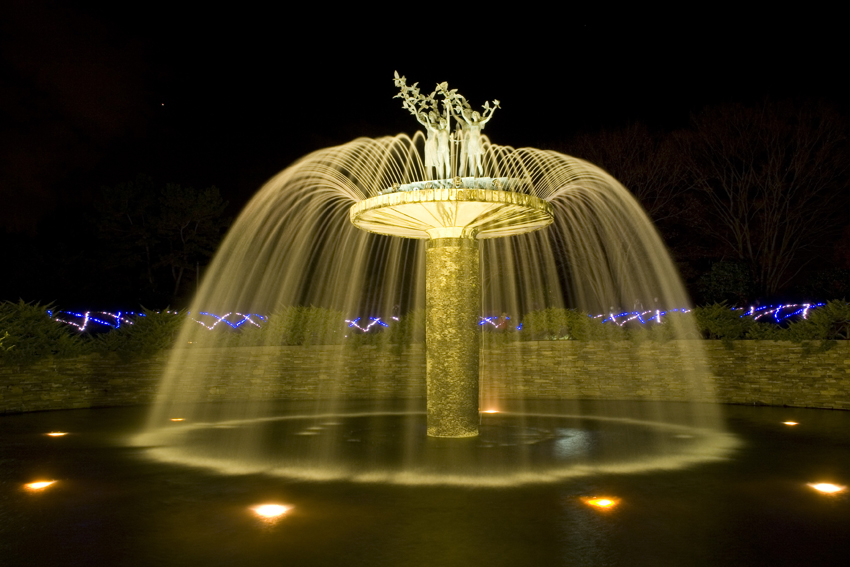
(452, 336)
(453, 220)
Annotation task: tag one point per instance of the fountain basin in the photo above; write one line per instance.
(112, 505)
(464, 212)
(384, 443)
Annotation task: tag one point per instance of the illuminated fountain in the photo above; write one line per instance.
(452, 214)
(324, 232)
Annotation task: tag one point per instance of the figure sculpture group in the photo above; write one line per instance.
(437, 123)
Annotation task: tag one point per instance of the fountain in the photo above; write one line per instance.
(304, 445)
(324, 232)
(452, 213)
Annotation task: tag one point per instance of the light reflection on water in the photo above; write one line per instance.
(572, 442)
(113, 506)
(512, 448)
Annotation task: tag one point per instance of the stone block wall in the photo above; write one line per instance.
(753, 372)
(251, 373)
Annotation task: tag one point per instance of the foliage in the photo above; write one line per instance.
(830, 322)
(675, 325)
(718, 321)
(189, 225)
(297, 325)
(551, 323)
(555, 323)
(727, 281)
(30, 334)
(159, 233)
(645, 162)
(409, 329)
(770, 183)
(148, 336)
(827, 323)
(759, 331)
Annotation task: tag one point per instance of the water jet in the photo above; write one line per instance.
(505, 230)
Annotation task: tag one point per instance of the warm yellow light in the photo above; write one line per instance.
(40, 484)
(56, 434)
(790, 422)
(602, 502)
(490, 411)
(270, 511)
(176, 419)
(826, 487)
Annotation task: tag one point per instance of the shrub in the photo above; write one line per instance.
(727, 281)
(148, 335)
(551, 323)
(30, 334)
(830, 322)
(718, 321)
(409, 329)
(555, 323)
(767, 332)
(296, 325)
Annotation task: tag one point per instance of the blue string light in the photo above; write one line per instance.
(88, 317)
(372, 322)
(776, 311)
(232, 324)
(97, 320)
(494, 321)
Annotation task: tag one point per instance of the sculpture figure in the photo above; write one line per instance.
(471, 149)
(444, 152)
(438, 126)
(430, 122)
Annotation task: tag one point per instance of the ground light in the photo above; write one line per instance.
(176, 419)
(39, 485)
(827, 488)
(490, 411)
(790, 422)
(270, 512)
(601, 502)
(56, 434)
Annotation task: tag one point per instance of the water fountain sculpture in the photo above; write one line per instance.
(383, 492)
(324, 232)
(452, 213)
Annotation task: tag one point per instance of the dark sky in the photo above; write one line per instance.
(91, 97)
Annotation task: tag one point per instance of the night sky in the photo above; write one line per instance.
(94, 96)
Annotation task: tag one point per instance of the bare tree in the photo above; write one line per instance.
(770, 183)
(646, 164)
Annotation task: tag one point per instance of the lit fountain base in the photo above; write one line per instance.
(544, 445)
(452, 215)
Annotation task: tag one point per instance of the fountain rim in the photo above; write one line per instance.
(711, 445)
(458, 208)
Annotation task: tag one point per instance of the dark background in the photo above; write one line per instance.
(92, 97)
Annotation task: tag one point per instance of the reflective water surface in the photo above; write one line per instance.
(113, 504)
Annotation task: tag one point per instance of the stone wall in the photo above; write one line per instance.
(753, 372)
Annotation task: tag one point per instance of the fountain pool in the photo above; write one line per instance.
(458, 229)
(112, 505)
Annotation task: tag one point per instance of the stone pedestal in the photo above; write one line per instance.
(452, 336)
(453, 214)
